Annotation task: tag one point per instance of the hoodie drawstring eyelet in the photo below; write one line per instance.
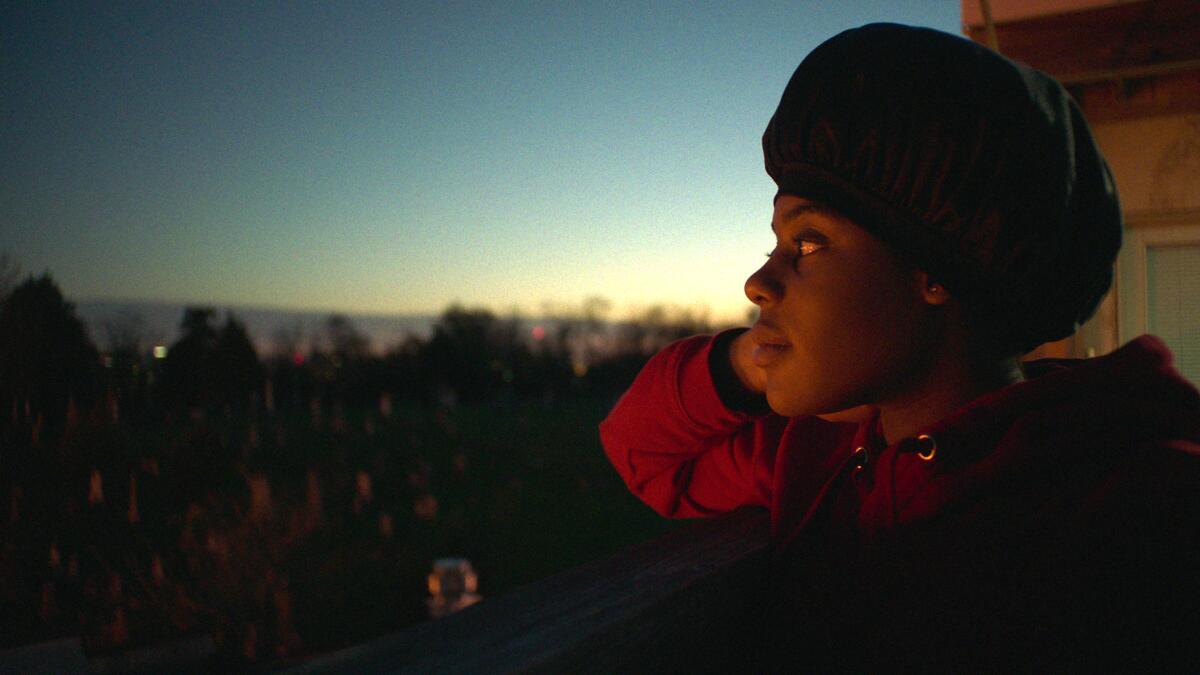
(860, 459)
(926, 447)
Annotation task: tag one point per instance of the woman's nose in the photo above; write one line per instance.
(761, 287)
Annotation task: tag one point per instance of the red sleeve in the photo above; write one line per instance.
(679, 448)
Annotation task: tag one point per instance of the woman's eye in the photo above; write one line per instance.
(805, 246)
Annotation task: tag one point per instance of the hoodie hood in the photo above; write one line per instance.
(1133, 395)
(1070, 423)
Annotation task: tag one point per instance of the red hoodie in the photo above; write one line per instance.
(1053, 522)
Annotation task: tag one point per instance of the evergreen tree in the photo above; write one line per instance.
(46, 357)
(238, 373)
(188, 375)
(209, 367)
(473, 353)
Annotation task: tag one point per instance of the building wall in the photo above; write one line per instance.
(1155, 161)
(1156, 165)
(1015, 10)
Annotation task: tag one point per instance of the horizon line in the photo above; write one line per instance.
(630, 314)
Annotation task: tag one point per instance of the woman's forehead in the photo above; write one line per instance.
(791, 207)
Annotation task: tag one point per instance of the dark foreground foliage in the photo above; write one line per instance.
(293, 506)
(288, 537)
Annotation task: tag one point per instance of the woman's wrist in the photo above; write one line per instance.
(741, 359)
(736, 390)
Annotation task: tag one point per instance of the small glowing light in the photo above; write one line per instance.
(160, 352)
(298, 357)
(453, 585)
(539, 333)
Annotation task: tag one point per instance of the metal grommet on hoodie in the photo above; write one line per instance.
(860, 458)
(926, 447)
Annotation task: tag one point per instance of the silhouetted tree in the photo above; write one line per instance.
(580, 335)
(344, 341)
(291, 380)
(658, 326)
(127, 366)
(188, 376)
(238, 374)
(10, 271)
(288, 342)
(46, 356)
(210, 367)
(474, 354)
(343, 364)
(407, 376)
(124, 332)
(624, 353)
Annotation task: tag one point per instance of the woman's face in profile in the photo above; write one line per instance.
(842, 322)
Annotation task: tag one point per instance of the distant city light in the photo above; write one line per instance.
(160, 352)
(539, 333)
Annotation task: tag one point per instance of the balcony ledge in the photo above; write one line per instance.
(649, 609)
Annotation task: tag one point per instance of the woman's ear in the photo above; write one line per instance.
(933, 292)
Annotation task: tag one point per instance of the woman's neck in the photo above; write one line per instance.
(947, 387)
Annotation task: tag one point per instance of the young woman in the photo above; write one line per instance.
(941, 211)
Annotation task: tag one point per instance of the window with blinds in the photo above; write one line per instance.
(1173, 302)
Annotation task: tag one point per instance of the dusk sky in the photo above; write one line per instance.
(396, 157)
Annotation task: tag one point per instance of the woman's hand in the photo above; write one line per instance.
(753, 377)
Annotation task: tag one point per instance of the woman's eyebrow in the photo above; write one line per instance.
(804, 208)
(814, 235)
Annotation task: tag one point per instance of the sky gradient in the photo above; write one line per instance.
(397, 157)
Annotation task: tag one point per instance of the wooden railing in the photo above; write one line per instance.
(655, 607)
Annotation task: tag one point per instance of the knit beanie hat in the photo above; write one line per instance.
(979, 169)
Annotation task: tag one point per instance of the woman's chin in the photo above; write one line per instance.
(855, 415)
(789, 406)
